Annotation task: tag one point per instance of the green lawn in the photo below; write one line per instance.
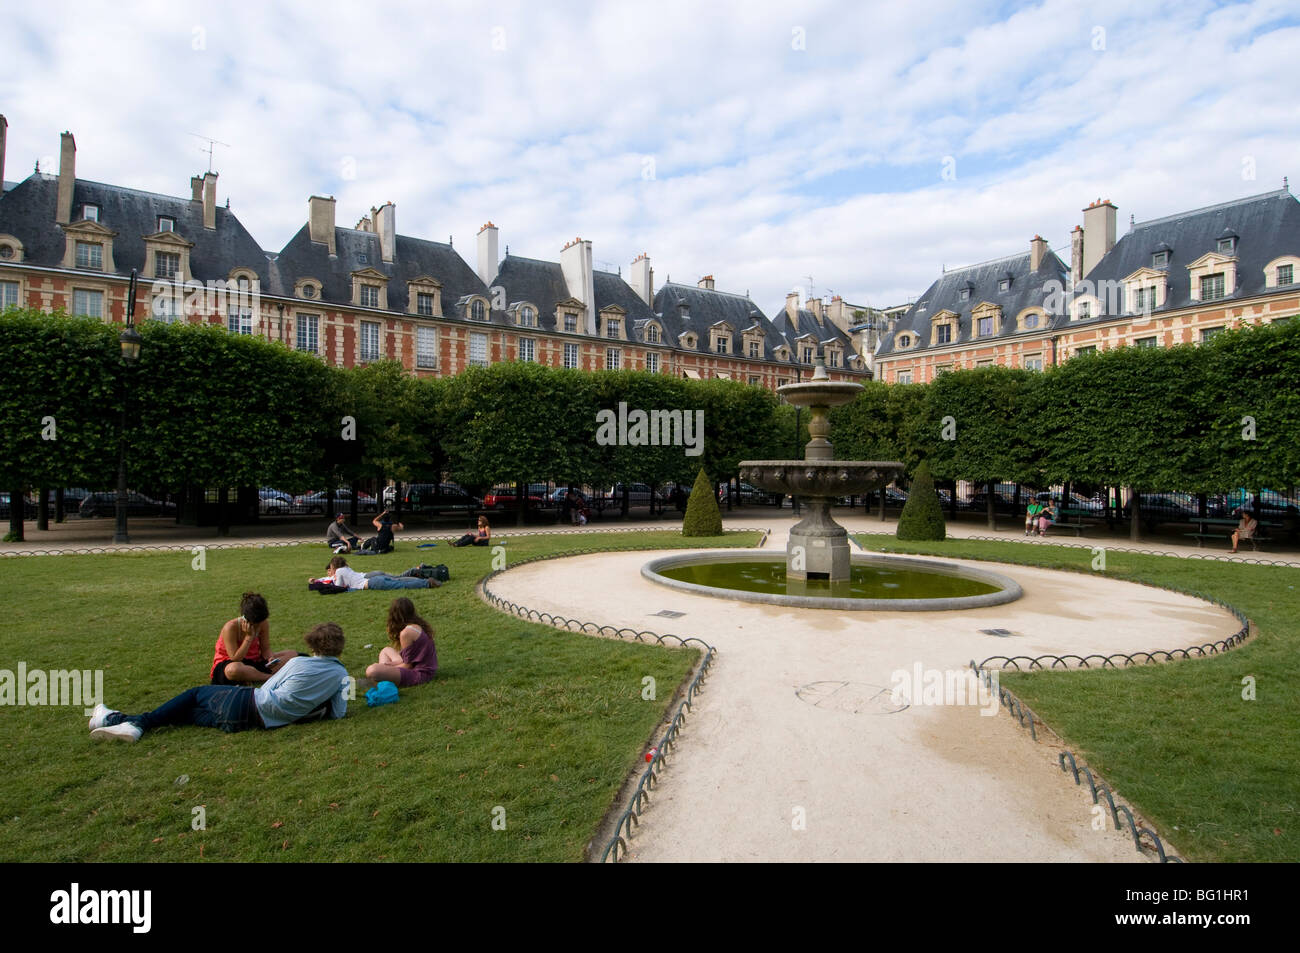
(1218, 775)
(543, 723)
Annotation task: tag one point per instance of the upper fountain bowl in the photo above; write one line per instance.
(820, 393)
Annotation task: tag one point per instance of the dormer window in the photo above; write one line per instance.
(943, 334)
(309, 291)
(166, 224)
(613, 328)
(571, 323)
(905, 341)
(985, 327)
(720, 345)
(369, 296)
(652, 334)
(166, 264)
(755, 349)
(90, 255)
(832, 358)
(1160, 259)
(476, 310)
(1004, 284)
(1227, 245)
(1031, 320)
(1285, 274)
(965, 294)
(528, 316)
(90, 213)
(808, 355)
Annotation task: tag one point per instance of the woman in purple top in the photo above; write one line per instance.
(412, 658)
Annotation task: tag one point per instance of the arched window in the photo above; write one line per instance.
(476, 309)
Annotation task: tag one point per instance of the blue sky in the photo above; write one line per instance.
(866, 145)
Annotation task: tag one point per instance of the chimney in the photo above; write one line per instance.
(386, 225)
(366, 224)
(642, 279)
(792, 305)
(815, 306)
(1076, 256)
(575, 264)
(706, 282)
(1098, 233)
(67, 177)
(488, 261)
(1037, 252)
(196, 188)
(320, 221)
(209, 200)
(4, 132)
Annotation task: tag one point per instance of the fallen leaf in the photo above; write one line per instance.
(334, 806)
(277, 824)
(284, 846)
(555, 777)
(157, 840)
(376, 814)
(1277, 831)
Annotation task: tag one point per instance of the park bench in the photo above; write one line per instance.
(1224, 533)
(1071, 519)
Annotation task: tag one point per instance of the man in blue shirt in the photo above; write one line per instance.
(305, 688)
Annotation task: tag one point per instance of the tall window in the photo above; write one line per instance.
(720, 345)
(426, 347)
(527, 349)
(832, 358)
(478, 350)
(754, 349)
(8, 294)
(369, 296)
(527, 317)
(985, 327)
(239, 320)
(1212, 287)
(571, 356)
(166, 264)
(89, 303)
(476, 310)
(1207, 333)
(613, 358)
(652, 363)
(652, 331)
(369, 340)
(308, 333)
(1285, 274)
(571, 322)
(613, 328)
(1143, 299)
(424, 303)
(90, 213)
(943, 334)
(90, 255)
(807, 355)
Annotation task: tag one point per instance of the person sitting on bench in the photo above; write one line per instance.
(303, 689)
(1245, 529)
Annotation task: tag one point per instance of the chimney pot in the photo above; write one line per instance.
(210, 200)
(67, 177)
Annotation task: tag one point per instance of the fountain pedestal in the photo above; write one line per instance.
(819, 546)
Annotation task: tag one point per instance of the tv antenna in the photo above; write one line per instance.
(212, 144)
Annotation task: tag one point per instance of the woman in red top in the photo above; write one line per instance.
(243, 653)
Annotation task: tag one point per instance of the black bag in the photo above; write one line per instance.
(441, 573)
(325, 588)
(425, 571)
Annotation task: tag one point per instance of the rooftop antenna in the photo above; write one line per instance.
(212, 144)
(1286, 185)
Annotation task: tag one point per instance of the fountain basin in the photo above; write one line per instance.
(910, 583)
(830, 478)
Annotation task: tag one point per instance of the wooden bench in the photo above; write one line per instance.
(1072, 519)
(1255, 541)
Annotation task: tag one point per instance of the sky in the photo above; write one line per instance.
(838, 148)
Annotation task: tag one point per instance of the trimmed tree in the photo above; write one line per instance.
(702, 516)
(922, 516)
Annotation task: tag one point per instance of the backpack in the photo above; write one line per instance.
(439, 572)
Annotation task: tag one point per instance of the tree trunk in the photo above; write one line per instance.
(1135, 516)
(223, 514)
(952, 500)
(397, 500)
(521, 501)
(43, 510)
(627, 499)
(16, 515)
(883, 498)
(356, 507)
(990, 509)
(58, 505)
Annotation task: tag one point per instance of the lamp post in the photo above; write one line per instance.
(130, 343)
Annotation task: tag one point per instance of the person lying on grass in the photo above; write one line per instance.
(342, 574)
(305, 688)
(243, 654)
(412, 658)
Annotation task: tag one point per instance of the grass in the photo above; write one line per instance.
(543, 723)
(1218, 775)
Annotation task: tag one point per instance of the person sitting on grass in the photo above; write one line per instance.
(243, 654)
(345, 575)
(412, 658)
(339, 538)
(482, 538)
(305, 688)
(1245, 529)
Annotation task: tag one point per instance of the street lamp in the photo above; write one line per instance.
(130, 343)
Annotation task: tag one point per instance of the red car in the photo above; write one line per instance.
(503, 497)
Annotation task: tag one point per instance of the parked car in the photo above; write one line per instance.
(638, 494)
(137, 504)
(746, 493)
(29, 508)
(1090, 505)
(318, 502)
(503, 497)
(1165, 508)
(439, 498)
(272, 502)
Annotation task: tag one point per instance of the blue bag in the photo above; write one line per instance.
(381, 694)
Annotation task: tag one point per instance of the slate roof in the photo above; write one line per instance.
(1028, 289)
(542, 284)
(806, 323)
(27, 212)
(1267, 226)
(357, 250)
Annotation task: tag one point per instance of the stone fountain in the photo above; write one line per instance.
(819, 546)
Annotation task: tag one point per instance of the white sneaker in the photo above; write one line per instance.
(123, 731)
(97, 717)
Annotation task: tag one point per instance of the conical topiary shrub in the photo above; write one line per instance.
(922, 516)
(702, 516)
